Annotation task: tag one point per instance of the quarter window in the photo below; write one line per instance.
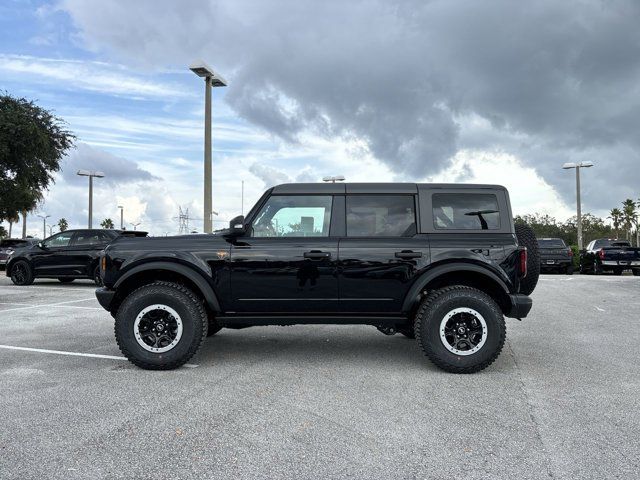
(381, 216)
(294, 216)
(465, 211)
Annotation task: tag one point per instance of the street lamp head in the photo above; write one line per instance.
(337, 178)
(567, 166)
(90, 173)
(585, 164)
(120, 206)
(203, 70)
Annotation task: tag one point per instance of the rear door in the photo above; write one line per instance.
(84, 250)
(381, 253)
(287, 262)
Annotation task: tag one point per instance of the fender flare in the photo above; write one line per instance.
(197, 278)
(412, 296)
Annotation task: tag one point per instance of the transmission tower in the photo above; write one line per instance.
(183, 220)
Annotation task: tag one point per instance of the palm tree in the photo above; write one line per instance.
(107, 223)
(63, 224)
(630, 216)
(616, 217)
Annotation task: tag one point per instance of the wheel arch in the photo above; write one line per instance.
(173, 272)
(458, 273)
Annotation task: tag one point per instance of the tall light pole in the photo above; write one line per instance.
(121, 217)
(135, 225)
(44, 225)
(211, 79)
(578, 166)
(90, 174)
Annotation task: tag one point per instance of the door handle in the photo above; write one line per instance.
(408, 254)
(314, 254)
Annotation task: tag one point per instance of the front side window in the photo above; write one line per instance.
(381, 216)
(294, 216)
(59, 240)
(465, 211)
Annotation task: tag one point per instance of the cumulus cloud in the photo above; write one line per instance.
(551, 81)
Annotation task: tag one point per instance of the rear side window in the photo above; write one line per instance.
(91, 238)
(381, 216)
(465, 211)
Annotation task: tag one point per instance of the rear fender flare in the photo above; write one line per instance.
(412, 296)
(207, 291)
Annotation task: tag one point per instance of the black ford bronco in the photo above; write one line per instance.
(440, 263)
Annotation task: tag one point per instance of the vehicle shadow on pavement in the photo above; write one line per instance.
(300, 345)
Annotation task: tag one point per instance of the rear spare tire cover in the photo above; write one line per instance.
(527, 238)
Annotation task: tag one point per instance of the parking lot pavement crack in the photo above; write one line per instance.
(530, 411)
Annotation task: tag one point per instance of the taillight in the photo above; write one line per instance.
(103, 263)
(570, 252)
(601, 254)
(523, 262)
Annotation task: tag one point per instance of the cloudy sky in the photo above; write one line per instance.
(462, 91)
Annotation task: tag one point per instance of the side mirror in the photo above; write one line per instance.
(237, 224)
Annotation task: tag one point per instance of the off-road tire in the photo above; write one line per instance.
(527, 238)
(66, 280)
(24, 279)
(569, 270)
(213, 327)
(435, 307)
(192, 314)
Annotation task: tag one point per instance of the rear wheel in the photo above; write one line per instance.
(636, 272)
(596, 268)
(21, 273)
(66, 280)
(460, 329)
(617, 271)
(97, 279)
(569, 270)
(160, 326)
(527, 238)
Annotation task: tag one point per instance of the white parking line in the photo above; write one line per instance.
(599, 309)
(35, 288)
(75, 354)
(59, 304)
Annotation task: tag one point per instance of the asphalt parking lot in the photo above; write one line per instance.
(562, 400)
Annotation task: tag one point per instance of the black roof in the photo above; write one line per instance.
(338, 188)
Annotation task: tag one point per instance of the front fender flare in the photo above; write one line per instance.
(412, 296)
(193, 275)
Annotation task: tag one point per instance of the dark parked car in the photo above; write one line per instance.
(10, 245)
(606, 255)
(555, 255)
(66, 256)
(435, 262)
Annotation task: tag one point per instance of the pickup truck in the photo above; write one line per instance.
(606, 255)
(441, 263)
(555, 255)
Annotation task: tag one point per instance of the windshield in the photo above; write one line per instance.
(551, 243)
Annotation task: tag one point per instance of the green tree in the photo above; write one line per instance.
(63, 224)
(616, 217)
(592, 227)
(630, 216)
(32, 144)
(107, 223)
(3, 232)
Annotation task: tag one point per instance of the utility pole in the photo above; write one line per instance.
(121, 217)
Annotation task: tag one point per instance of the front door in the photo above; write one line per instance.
(287, 261)
(51, 259)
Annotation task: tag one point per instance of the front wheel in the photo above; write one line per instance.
(160, 326)
(97, 278)
(22, 273)
(460, 329)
